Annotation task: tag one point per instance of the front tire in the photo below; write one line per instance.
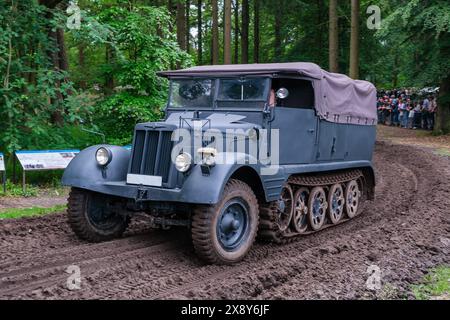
(224, 233)
(94, 217)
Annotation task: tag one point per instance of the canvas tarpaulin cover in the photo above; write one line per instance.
(338, 98)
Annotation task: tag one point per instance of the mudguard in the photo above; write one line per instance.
(202, 189)
(84, 171)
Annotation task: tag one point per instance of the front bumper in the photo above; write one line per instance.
(139, 192)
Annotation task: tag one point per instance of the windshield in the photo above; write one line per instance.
(200, 93)
(242, 89)
(196, 93)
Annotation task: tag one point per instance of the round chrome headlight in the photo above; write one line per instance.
(183, 162)
(103, 156)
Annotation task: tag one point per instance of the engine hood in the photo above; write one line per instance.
(185, 120)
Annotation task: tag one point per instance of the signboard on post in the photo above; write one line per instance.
(34, 160)
(2, 162)
(3, 171)
(45, 159)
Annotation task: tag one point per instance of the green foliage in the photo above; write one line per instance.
(15, 213)
(117, 115)
(145, 45)
(419, 30)
(435, 284)
(32, 90)
(15, 190)
(142, 44)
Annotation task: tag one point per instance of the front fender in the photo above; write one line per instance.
(84, 171)
(198, 188)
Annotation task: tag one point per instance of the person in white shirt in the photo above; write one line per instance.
(411, 118)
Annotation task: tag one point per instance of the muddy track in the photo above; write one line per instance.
(404, 233)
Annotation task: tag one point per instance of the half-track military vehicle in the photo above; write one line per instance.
(267, 151)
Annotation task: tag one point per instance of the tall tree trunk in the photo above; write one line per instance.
(199, 33)
(181, 24)
(320, 32)
(256, 31)
(395, 69)
(354, 41)
(172, 8)
(443, 102)
(215, 33)
(188, 25)
(109, 78)
(227, 33)
(244, 37)
(63, 62)
(60, 63)
(277, 31)
(443, 110)
(236, 32)
(58, 59)
(81, 62)
(333, 37)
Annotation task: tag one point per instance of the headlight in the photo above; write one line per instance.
(103, 156)
(183, 162)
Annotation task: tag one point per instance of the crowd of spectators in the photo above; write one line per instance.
(407, 108)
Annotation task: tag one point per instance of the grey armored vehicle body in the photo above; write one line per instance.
(300, 140)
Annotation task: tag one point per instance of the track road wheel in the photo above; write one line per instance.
(336, 202)
(352, 198)
(94, 216)
(317, 206)
(224, 233)
(300, 217)
(285, 208)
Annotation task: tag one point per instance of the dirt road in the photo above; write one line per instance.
(404, 233)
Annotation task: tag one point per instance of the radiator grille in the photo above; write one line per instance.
(151, 153)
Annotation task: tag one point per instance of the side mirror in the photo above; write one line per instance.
(282, 93)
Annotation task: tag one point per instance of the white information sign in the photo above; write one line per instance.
(45, 159)
(2, 162)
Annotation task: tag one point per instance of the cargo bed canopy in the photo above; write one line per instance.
(338, 98)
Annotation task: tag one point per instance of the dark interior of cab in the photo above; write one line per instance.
(301, 93)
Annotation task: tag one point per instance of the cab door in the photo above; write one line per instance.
(297, 134)
(332, 144)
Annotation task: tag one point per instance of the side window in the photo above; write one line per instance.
(301, 93)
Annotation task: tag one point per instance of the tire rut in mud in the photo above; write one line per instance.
(404, 232)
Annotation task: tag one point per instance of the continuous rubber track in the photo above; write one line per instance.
(404, 232)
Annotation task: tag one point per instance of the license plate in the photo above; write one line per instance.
(140, 179)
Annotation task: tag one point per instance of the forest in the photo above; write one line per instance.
(76, 72)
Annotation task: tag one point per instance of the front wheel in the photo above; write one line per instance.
(223, 233)
(95, 217)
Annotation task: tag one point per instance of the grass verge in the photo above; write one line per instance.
(14, 213)
(443, 152)
(435, 285)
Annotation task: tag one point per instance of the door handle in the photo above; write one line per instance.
(311, 130)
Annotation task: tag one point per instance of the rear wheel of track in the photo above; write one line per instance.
(352, 198)
(224, 233)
